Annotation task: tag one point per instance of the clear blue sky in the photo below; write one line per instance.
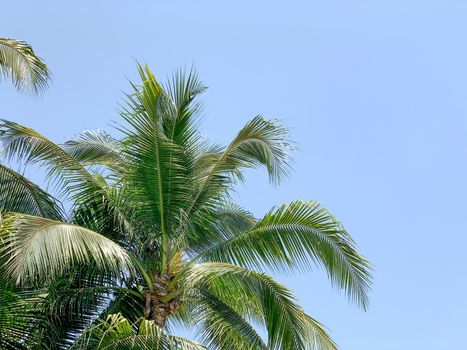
(376, 94)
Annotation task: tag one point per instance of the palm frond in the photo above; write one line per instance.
(18, 194)
(117, 333)
(317, 334)
(295, 236)
(157, 167)
(181, 125)
(25, 144)
(73, 301)
(112, 215)
(287, 325)
(17, 317)
(221, 222)
(38, 249)
(19, 63)
(96, 147)
(225, 328)
(260, 142)
(66, 171)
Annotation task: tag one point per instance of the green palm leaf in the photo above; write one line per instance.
(26, 144)
(259, 297)
(75, 181)
(180, 125)
(38, 249)
(117, 333)
(260, 142)
(18, 194)
(75, 300)
(225, 328)
(294, 236)
(17, 316)
(19, 63)
(157, 166)
(96, 147)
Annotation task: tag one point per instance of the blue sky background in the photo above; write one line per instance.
(376, 95)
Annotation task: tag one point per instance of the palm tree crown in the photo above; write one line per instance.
(153, 240)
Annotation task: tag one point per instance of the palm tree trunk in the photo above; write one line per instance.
(155, 309)
(159, 303)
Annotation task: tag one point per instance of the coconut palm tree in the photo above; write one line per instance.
(153, 241)
(17, 314)
(19, 63)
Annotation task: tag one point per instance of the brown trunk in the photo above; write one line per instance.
(156, 309)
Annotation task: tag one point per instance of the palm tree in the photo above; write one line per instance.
(153, 240)
(17, 314)
(19, 63)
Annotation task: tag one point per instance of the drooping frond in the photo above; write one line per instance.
(80, 185)
(225, 328)
(211, 227)
(23, 143)
(260, 142)
(318, 335)
(18, 194)
(96, 147)
(37, 249)
(117, 333)
(73, 303)
(273, 304)
(295, 236)
(19, 63)
(112, 214)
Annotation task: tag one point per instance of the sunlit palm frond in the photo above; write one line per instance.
(75, 181)
(260, 142)
(294, 236)
(19, 194)
(19, 63)
(317, 335)
(96, 147)
(157, 167)
(287, 325)
(117, 333)
(25, 144)
(38, 249)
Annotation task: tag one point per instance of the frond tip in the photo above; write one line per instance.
(19, 63)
